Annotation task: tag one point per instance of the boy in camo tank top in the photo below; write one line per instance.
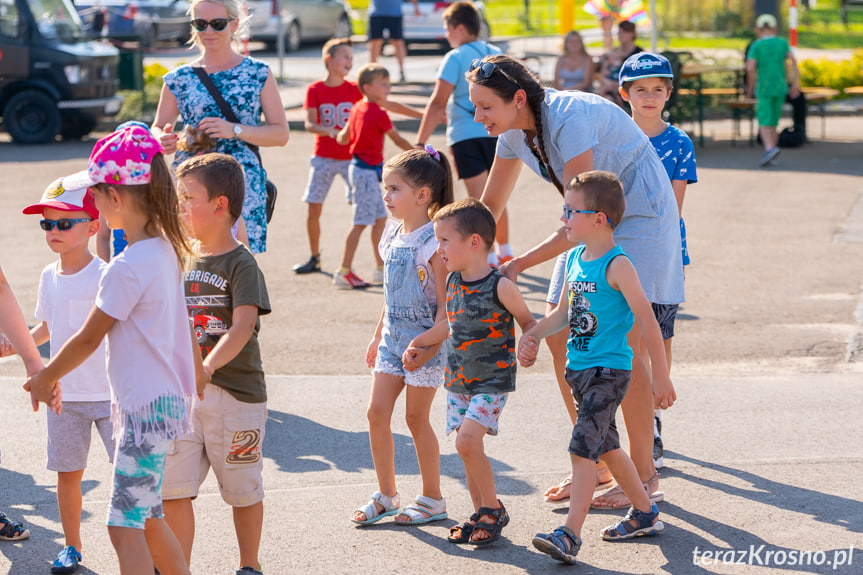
(482, 306)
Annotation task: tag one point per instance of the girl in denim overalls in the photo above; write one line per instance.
(406, 348)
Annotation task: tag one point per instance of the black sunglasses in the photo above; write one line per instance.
(62, 225)
(218, 24)
(486, 69)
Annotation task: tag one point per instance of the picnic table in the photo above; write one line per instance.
(696, 72)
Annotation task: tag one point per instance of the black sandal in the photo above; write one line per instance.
(464, 530)
(493, 530)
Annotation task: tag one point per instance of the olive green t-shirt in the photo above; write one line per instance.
(214, 286)
(769, 54)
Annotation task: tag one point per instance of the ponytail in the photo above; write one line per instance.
(426, 169)
(158, 200)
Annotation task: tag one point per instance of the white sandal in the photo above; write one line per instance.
(424, 510)
(390, 506)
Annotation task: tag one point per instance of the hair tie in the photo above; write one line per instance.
(433, 153)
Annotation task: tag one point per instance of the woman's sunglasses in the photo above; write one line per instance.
(62, 225)
(486, 69)
(217, 24)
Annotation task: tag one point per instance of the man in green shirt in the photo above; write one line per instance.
(767, 80)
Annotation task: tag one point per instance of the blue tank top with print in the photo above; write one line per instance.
(599, 317)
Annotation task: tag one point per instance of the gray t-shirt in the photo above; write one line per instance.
(575, 122)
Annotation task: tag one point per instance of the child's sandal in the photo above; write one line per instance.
(390, 506)
(492, 530)
(562, 544)
(635, 524)
(423, 510)
(461, 533)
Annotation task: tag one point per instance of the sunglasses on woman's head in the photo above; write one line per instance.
(217, 24)
(62, 225)
(486, 69)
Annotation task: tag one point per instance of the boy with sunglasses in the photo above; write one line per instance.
(67, 293)
(604, 297)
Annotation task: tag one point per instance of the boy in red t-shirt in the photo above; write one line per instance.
(328, 104)
(365, 131)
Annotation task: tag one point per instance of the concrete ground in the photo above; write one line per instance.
(763, 447)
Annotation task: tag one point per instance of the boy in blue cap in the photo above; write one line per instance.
(646, 80)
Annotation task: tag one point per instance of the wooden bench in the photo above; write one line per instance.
(744, 108)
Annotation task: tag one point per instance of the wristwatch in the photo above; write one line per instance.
(238, 129)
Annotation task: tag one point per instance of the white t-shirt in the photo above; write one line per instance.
(150, 344)
(424, 252)
(63, 302)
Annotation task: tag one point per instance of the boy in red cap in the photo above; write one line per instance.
(67, 292)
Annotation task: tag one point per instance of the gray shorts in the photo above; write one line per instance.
(366, 196)
(665, 314)
(598, 392)
(558, 278)
(69, 434)
(321, 176)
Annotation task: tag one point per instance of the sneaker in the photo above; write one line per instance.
(349, 280)
(646, 523)
(249, 571)
(12, 530)
(313, 265)
(503, 259)
(66, 561)
(769, 155)
(561, 544)
(378, 277)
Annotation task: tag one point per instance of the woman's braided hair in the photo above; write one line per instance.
(506, 89)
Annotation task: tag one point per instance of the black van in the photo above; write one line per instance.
(53, 79)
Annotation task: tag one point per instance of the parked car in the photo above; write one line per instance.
(427, 28)
(302, 20)
(53, 79)
(149, 21)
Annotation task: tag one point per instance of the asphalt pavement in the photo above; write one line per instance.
(763, 458)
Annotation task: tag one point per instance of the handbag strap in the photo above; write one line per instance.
(225, 108)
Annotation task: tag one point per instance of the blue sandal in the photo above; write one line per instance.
(562, 544)
(635, 524)
(12, 530)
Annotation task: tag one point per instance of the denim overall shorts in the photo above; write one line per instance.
(407, 315)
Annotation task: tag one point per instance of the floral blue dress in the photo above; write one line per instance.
(241, 87)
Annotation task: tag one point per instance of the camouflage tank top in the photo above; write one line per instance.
(481, 343)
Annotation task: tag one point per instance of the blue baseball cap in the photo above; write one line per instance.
(645, 65)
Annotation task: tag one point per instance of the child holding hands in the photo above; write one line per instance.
(151, 362)
(482, 306)
(406, 348)
(603, 294)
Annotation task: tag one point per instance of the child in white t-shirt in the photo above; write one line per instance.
(67, 291)
(151, 362)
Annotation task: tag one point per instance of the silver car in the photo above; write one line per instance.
(149, 21)
(302, 20)
(427, 28)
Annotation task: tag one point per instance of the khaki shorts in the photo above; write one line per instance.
(227, 435)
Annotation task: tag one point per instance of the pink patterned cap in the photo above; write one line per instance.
(124, 156)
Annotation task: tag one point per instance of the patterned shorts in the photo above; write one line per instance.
(484, 408)
(598, 392)
(366, 196)
(321, 176)
(138, 470)
(665, 314)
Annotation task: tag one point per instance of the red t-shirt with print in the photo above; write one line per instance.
(334, 108)
(369, 123)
